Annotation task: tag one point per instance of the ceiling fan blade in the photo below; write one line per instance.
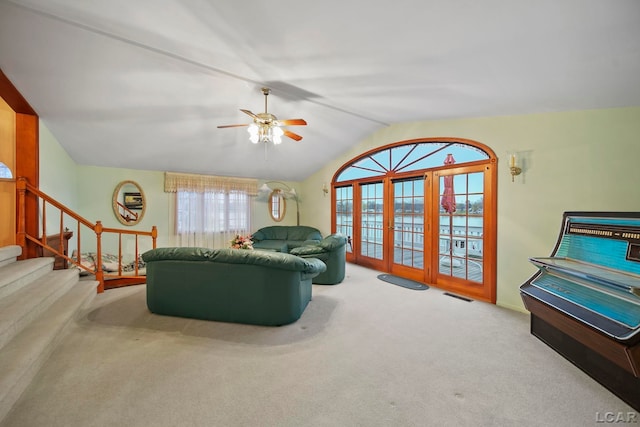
(292, 135)
(292, 122)
(232, 126)
(249, 113)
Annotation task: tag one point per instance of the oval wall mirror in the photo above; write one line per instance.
(129, 203)
(277, 205)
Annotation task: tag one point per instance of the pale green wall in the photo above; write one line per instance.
(57, 179)
(57, 169)
(95, 194)
(261, 217)
(585, 160)
(88, 190)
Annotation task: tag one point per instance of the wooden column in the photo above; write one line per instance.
(27, 156)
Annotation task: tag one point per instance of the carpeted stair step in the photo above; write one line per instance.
(21, 307)
(24, 355)
(18, 274)
(8, 254)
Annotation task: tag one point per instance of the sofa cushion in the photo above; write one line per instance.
(273, 245)
(274, 232)
(302, 233)
(307, 250)
(287, 232)
(177, 254)
(277, 260)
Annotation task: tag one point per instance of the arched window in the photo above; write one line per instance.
(422, 209)
(5, 172)
(409, 157)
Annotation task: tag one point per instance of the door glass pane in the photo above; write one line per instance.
(371, 237)
(408, 225)
(461, 226)
(344, 213)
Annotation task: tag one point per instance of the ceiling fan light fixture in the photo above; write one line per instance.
(266, 127)
(265, 133)
(276, 134)
(253, 133)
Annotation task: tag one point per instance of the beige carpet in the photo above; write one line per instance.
(364, 353)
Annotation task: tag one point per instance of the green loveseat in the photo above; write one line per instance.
(332, 251)
(229, 285)
(283, 238)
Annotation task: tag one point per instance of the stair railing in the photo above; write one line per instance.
(105, 279)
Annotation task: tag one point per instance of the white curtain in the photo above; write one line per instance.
(210, 210)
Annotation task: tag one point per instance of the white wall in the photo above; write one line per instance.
(584, 160)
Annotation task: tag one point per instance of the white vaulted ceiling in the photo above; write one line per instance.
(144, 84)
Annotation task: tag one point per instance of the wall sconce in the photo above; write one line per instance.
(325, 190)
(513, 167)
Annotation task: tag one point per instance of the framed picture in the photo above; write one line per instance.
(133, 200)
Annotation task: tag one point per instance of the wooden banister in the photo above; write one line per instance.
(22, 237)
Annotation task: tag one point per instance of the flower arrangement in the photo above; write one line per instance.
(241, 242)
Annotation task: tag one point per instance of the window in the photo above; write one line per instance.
(410, 157)
(210, 210)
(5, 172)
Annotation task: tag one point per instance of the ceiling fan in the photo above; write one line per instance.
(266, 127)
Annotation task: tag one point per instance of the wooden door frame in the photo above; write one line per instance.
(490, 204)
(420, 275)
(486, 292)
(357, 225)
(27, 164)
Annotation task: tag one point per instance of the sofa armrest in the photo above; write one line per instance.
(315, 268)
(307, 250)
(333, 241)
(257, 236)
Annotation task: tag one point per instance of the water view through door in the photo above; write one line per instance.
(408, 228)
(461, 226)
(423, 211)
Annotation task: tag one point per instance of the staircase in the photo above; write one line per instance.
(36, 304)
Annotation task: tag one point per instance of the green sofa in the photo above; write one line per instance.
(332, 251)
(283, 238)
(229, 285)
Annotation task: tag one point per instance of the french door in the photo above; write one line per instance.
(423, 210)
(463, 238)
(401, 226)
(408, 224)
